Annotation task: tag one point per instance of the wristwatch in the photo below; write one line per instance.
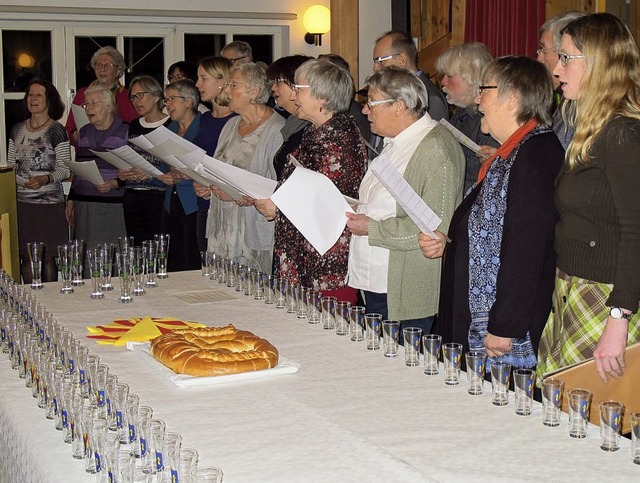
(617, 313)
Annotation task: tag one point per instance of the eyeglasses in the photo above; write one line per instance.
(371, 104)
(564, 58)
(484, 88)
(169, 99)
(382, 58)
(103, 66)
(137, 95)
(176, 77)
(542, 50)
(281, 81)
(233, 61)
(234, 84)
(90, 104)
(297, 87)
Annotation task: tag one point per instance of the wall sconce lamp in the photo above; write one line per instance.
(317, 21)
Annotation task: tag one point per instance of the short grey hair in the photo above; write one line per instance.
(151, 86)
(116, 56)
(255, 75)
(243, 48)
(559, 22)
(187, 89)
(104, 94)
(327, 82)
(529, 80)
(467, 60)
(403, 85)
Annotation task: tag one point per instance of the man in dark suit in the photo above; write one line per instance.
(397, 48)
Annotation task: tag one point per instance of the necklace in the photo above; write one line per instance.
(35, 128)
(246, 127)
(257, 121)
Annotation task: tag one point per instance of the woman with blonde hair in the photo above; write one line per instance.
(213, 74)
(597, 289)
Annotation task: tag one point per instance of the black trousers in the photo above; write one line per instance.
(183, 243)
(142, 213)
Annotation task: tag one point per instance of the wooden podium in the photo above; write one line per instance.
(625, 389)
(9, 257)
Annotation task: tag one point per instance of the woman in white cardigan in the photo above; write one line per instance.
(248, 141)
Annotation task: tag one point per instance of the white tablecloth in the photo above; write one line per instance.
(347, 415)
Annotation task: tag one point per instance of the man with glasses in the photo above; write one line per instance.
(397, 48)
(548, 55)
(550, 41)
(237, 52)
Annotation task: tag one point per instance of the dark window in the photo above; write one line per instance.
(85, 48)
(262, 46)
(25, 54)
(199, 46)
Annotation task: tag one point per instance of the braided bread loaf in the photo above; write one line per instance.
(213, 351)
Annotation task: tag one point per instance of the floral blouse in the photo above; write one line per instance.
(337, 150)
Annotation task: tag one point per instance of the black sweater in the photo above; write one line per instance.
(598, 235)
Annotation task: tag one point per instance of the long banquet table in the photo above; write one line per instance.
(348, 414)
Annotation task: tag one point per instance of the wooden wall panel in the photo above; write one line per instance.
(554, 7)
(436, 14)
(634, 19)
(458, 17)
(417, 20)
(345, 33)
(9, 256)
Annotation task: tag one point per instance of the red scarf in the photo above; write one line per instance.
(505, 149)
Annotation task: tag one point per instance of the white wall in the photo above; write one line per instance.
(375, 19)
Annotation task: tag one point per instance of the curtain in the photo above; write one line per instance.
(506, 27)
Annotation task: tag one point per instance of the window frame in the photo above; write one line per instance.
(64, 28)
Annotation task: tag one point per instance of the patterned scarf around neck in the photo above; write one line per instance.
(486, 223)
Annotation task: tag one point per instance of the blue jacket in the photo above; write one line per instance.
(184, 188)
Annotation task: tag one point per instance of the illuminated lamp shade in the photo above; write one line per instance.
(26, 61)
(317, 21)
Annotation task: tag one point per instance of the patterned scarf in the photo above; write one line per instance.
(486, 222)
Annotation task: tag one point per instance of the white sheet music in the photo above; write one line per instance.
(112, 159)
(248, 183)
(208, 178)
(314, 205)
(87, 170)
(461, 137)
(350, 200)
(161, 134)
(142, 142)
(403, 193)
(134, 159)
(79, 116)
